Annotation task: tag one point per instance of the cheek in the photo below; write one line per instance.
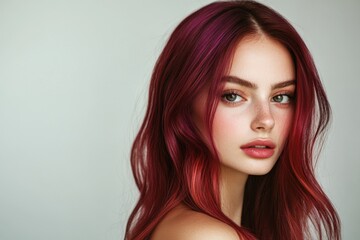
(227, 126)
(223, 133)
(221, 122)
(284, 123)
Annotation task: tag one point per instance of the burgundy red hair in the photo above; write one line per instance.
(171, 162)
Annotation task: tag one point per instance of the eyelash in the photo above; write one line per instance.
(290, 97)
(231, 92)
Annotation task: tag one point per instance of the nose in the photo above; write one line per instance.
(263, 119)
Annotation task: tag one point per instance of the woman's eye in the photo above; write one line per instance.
(282, 98)
(232, 97)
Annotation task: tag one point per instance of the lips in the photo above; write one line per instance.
(259, 149)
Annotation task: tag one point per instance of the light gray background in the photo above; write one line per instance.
(73, 84)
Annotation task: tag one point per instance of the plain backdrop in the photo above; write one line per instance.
(73, 88)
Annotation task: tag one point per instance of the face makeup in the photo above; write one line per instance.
(259, 149)
(252, 120)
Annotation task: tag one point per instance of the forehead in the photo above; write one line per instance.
(262, 59)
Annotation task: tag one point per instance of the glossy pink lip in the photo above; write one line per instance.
(259, 149)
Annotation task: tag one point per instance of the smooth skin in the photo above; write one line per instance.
(256, 104)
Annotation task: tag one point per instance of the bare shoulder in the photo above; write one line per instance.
(182, 223)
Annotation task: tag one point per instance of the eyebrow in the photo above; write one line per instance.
(251, 85)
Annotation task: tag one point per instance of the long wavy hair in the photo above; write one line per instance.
(171, 162)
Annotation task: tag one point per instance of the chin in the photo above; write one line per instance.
(261, 167)
(260, 172)
(255, 167)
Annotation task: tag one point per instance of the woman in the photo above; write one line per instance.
(226, 148)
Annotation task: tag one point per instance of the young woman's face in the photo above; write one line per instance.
(255, 111)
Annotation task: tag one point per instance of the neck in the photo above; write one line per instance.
(232, 187)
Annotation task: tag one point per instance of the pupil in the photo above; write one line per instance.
(231, 97)
(279, 98)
